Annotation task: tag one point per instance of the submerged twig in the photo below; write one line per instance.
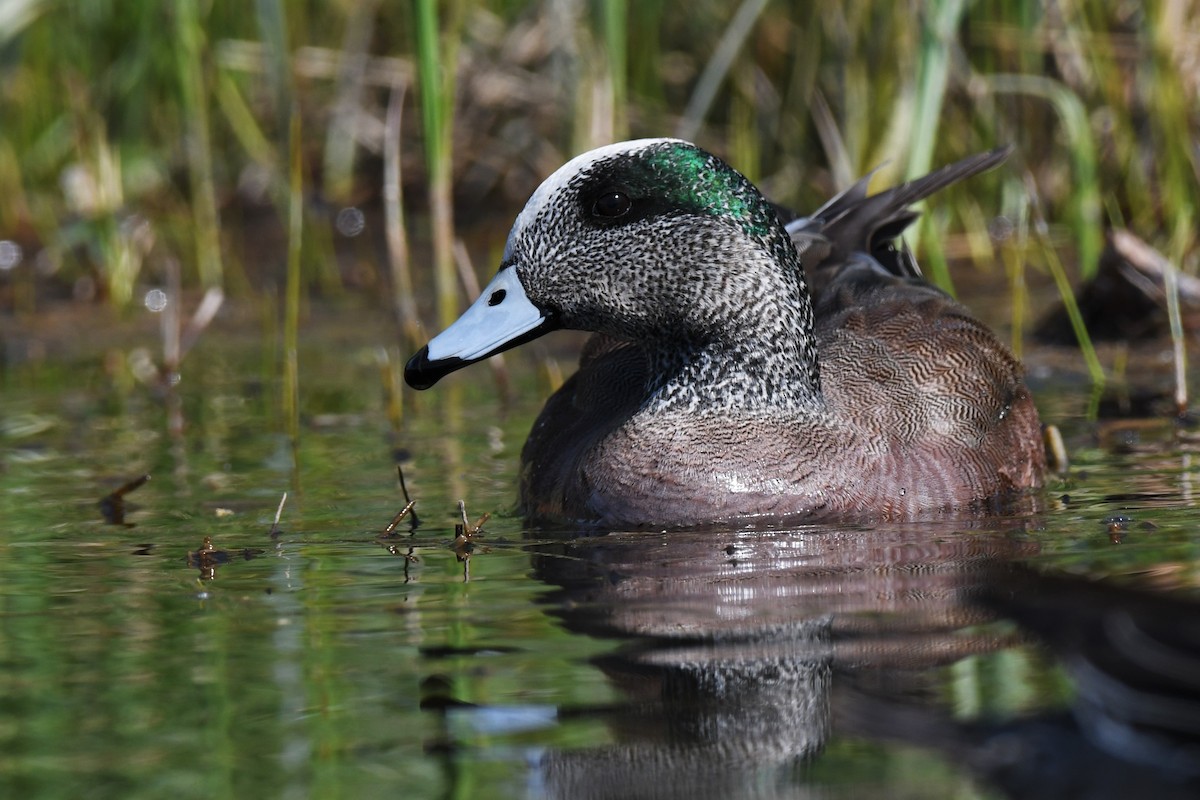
(208, 558)
(131, 485)
(112, 505)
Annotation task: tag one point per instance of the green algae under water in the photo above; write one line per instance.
(325, 661)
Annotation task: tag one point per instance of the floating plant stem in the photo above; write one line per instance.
(464, 539)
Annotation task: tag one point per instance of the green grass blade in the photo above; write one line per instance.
(1086, 195)
(198, 143)
(291, 330)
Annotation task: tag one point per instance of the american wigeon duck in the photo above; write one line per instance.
(743, 369)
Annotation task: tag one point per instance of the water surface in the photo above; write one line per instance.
(327, 661)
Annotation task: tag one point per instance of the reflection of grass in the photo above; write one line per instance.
(1095, 98)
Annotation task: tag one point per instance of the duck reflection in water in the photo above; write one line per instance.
(1133, 728)
(746, 651)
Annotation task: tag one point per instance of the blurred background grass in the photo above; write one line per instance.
(134, 135)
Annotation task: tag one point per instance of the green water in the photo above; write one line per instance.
(328, 662)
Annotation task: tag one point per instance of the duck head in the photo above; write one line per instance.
(654, 240)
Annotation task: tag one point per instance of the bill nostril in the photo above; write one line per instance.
(497, 297)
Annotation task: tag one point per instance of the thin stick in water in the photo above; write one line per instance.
(401, 514)
(274, 532)
(407, 499)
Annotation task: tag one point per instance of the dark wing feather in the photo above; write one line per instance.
(854, 223)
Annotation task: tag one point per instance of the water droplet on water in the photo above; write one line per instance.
(10, 254)
(1001, 228)
(350, 221)
(156, 300)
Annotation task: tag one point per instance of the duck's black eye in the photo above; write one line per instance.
(612, 204)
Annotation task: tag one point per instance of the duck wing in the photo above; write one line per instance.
(854, 227)
(904, 362)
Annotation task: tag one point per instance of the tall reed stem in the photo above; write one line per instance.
(291, 325)
(393, 209)
(1073, 116)
(437, 79)
(717, 67)
(615, 25)
(342, 136)
(198, 144)
(933, 72)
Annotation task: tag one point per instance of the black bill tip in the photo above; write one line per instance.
(421, 373)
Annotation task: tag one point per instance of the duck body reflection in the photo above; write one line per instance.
(744, 653)
(735, 644)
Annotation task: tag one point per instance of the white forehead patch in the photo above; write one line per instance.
(563, 175)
